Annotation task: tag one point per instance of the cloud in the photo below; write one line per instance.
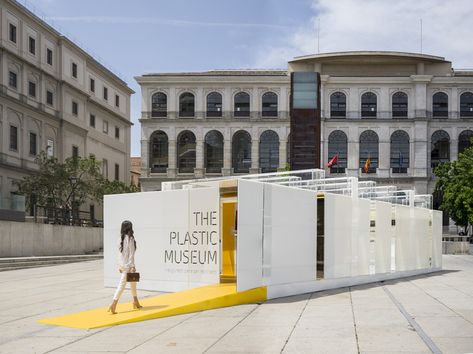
(157, 21)
(381, 25)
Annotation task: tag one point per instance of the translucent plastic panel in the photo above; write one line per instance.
(406, 247)
(383, 236)
(289, 239)
(250, 235)
(360, 236)
(436, 239)
(423, 237)
(338, 236)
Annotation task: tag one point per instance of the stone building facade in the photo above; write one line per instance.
(55, 97)
(404, 112)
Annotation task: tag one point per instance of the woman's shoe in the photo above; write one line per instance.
(112, 307)
(136, 303)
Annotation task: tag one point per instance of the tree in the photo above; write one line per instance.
(455, 183)
(57, 185)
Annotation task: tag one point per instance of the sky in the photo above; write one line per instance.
(144, 36)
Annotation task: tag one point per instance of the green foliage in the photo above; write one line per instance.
(455, 182)
(287, 167)
(58, 184)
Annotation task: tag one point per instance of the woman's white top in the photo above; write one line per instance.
(126, 258)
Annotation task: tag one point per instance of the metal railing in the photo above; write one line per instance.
(63, 216)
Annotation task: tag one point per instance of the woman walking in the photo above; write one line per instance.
(126, 262)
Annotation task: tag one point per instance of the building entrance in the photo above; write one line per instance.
(228, 212)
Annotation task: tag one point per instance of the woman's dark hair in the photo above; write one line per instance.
(127, 229)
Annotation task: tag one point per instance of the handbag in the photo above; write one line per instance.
(133, 277)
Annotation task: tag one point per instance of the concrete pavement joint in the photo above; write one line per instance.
(162, 332)
(442, 303)
(354, 322)
(223, 335)
(295, 324)
(420, 332)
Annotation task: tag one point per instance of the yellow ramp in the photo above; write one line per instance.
(193, 300)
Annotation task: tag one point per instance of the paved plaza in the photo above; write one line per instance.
(417, 315)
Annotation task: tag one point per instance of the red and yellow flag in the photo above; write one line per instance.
(367, 165)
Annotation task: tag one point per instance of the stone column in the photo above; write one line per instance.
(282, 153)
(453, 149)
(227, 156)
(172, 159)
(145, 168)
(199, 104)
(353, 153)
(254, 156)
(420, 164)
(454, 111)
(199, 159)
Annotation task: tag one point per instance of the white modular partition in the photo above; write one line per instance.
(347, 238)
(338, 236)
(406, 245)
(250, 235)
(383, 236)
(436, 238)
(177, 235)
(289, 235)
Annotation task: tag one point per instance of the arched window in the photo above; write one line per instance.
(368, 104)
(399, 105)
(241, 152)
(464, 140)
(338, 105)
(270, 104)
(440, 148)
(466, 104)
(369, 151)
(214, 104)
(158, 157)
(186, 105)
(269, 151)
(242, 105)
(213, 152)
(337, 145)
(159, 105)
(399, 151)
(440, 105)
(186, 152)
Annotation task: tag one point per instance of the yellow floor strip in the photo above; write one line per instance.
(193, 300)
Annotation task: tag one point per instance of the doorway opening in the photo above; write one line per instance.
(229, 214)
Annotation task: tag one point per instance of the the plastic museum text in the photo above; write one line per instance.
(192, 246)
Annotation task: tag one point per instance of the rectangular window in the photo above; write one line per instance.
(13, 138)
(74, 70)
(75, 108)
(105, 93)
(50, 148)
(117, 132)
(49, 98)
(117, 172)
(75, 151)
(49, 56)
(12, 33)
(32, 45)
(12, 80)
(92, 120)
(105, 168)
(117, 100)
(92, 85)
(32, 89)
(33, 144)
(105, 127)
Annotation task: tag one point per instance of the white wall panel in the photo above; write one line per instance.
(423, 237)
(360, 236)
(161, 221)
(250, 235)
(406, 247)
(289, 238)
(338, 236)
(383, 236)
(436, 238)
